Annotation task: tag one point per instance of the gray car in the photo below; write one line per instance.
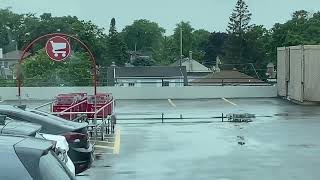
(81, 150)
(11, 127)
(50, 124)
(29, 158)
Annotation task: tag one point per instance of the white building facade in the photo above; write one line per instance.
(150, 76)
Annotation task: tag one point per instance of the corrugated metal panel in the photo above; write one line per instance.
(282, 55)
(312, 73)
(295, 88)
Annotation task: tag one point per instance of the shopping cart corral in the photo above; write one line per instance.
(96, 110)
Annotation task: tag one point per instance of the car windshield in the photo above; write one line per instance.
(52, 169)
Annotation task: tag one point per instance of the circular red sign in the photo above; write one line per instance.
(58, 48)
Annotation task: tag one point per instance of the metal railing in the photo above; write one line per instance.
(103, 125)
(184, 119)
(35, 82)
(44, 105)
(192, 81)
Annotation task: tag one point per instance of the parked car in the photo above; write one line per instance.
(11, 127)
(30, 158)
(76, 134)
(62, 148)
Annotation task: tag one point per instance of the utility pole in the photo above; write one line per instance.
(16, 46)
(135, 48)
(181, 53)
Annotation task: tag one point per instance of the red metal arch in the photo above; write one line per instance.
(93, 60)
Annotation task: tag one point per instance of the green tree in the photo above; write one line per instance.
(303, 28)
(9, 28)
(143, 35)
(116, 46)
(143, 61)
(214, 48)
(200, 42)
(256, 45)
(238, 26)
(39, 70)
(240, 19)
(187, 38)
(166, 54)
(26, 27)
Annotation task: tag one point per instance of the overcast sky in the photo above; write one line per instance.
(212, 15)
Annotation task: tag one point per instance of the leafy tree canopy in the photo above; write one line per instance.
(40, 70)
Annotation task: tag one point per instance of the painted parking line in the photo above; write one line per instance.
(98, 147)
(171, 103)
(228, 101)
(116, 148)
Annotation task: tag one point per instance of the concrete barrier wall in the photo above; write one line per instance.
(187, 92)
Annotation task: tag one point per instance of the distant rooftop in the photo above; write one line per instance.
(192, 66)
(227, 76)
(149, 71)
(13, 55)
(145, 72)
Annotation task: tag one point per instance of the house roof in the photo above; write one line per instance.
(14, 55)
(227, 76)
(6, 60)
(198, 74)
(149, 71)
(177, 63)
(191, 65)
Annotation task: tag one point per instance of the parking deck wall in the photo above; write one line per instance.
(187, 92)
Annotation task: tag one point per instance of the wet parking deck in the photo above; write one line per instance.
(281, 143)
(283, 146)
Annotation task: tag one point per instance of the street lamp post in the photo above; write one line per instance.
(16, 46)
(181, 44)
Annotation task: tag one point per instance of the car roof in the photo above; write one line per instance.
(17, 141)
(58, 125)
(19, 128)
(28, 149)
(10, 162)
(35, 143)
(9, 141)
(9, 107)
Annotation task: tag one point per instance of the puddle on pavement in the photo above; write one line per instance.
(126, 172)
(184, 132)
(307, 146)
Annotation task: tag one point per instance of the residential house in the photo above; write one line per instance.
(195, 70)
(192, 66)
(7, 61)
(227, 77)
(147, 76)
